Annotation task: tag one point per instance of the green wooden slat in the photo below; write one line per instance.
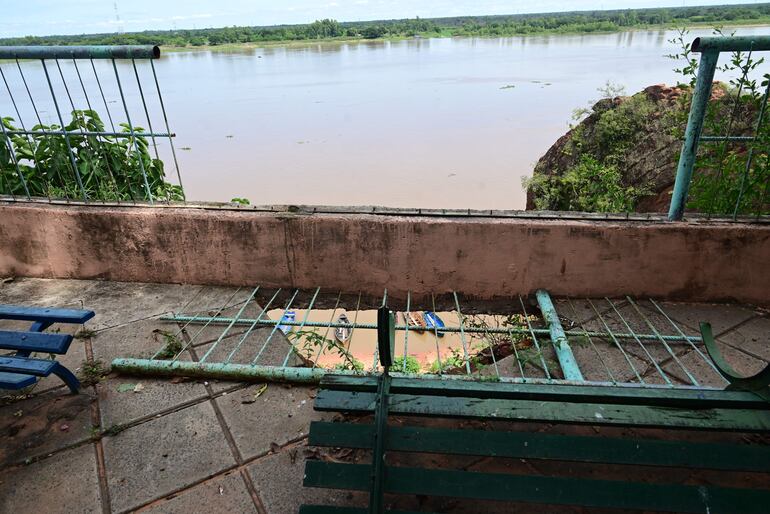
(559, 392)
(545, 490)
(328, 509)
(526, 445)
(530, 410)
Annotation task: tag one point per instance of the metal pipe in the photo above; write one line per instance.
(88, 133)
(248, 372)
(706, 69)
(731, 44)
(219, 370)
(559, 339)
(81, 52)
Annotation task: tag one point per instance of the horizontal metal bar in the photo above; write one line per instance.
(731, 44)
(87, 133)
(372, 326)
(80, 52)
(711, 139)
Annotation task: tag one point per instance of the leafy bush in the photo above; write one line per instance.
(109, 167)
(589, 186)
(412, 364)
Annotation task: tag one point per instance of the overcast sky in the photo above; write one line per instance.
(40, 17)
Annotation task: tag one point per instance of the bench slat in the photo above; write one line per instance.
(555, 392)
(540, 489)
(35, 341)
(328, 509)
(27, 366)
(50, 314)
(527, 445)
(16, 381)
(531, 410)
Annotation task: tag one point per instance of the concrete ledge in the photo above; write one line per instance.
(484, 258)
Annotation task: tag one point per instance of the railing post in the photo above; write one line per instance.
(559, 339)
(700, 99)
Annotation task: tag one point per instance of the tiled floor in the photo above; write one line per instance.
(199, 446)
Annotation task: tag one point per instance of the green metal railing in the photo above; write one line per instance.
(37, 156)
(710, 49)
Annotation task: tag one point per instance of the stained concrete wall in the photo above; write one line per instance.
(483, 258)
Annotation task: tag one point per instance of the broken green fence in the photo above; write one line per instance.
(618, 342)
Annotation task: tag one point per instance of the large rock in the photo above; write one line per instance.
(640, 135)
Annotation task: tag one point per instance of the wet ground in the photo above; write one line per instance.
(174, 445)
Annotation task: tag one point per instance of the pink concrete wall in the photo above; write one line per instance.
(479, 257)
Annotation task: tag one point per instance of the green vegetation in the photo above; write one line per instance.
(314, 344)
(172, 346)
(412, 364)
(91, 372)
(110, 168)
(486, 26)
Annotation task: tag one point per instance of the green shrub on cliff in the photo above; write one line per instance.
(588, 186)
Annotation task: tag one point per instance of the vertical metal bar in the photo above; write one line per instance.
(727, 142)
(591, 342)
(74, 110)
(326, 333)
(101, 92)
(355, 322)
(21, 122)
(689, 341)
(40, 122)
(615, 340)
(516, 354)
(302, 325)
(100, 146)
(534, 339)
(144, 104)
(750, 157)
(406, 328)
(491, 348)
(133, 135)
(208, 322)
(66, 135)
(9, 143)
(462, 334)
(251, 327)
(275, 327)
(644, 348)
(237, 317)
(706, 69)
(569, 365)
(663, 341)
(435, 337)
(168, 130)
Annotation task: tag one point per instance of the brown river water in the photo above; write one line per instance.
(434, 123)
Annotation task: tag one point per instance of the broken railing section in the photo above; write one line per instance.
(77, 156)
(276, 334)
(710, 49)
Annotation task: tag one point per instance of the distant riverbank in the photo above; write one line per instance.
(236, 47)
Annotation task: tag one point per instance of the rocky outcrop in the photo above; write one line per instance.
(639, 137)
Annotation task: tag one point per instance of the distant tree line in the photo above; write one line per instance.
(507, 25)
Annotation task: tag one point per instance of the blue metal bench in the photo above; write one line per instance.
(20, 370)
